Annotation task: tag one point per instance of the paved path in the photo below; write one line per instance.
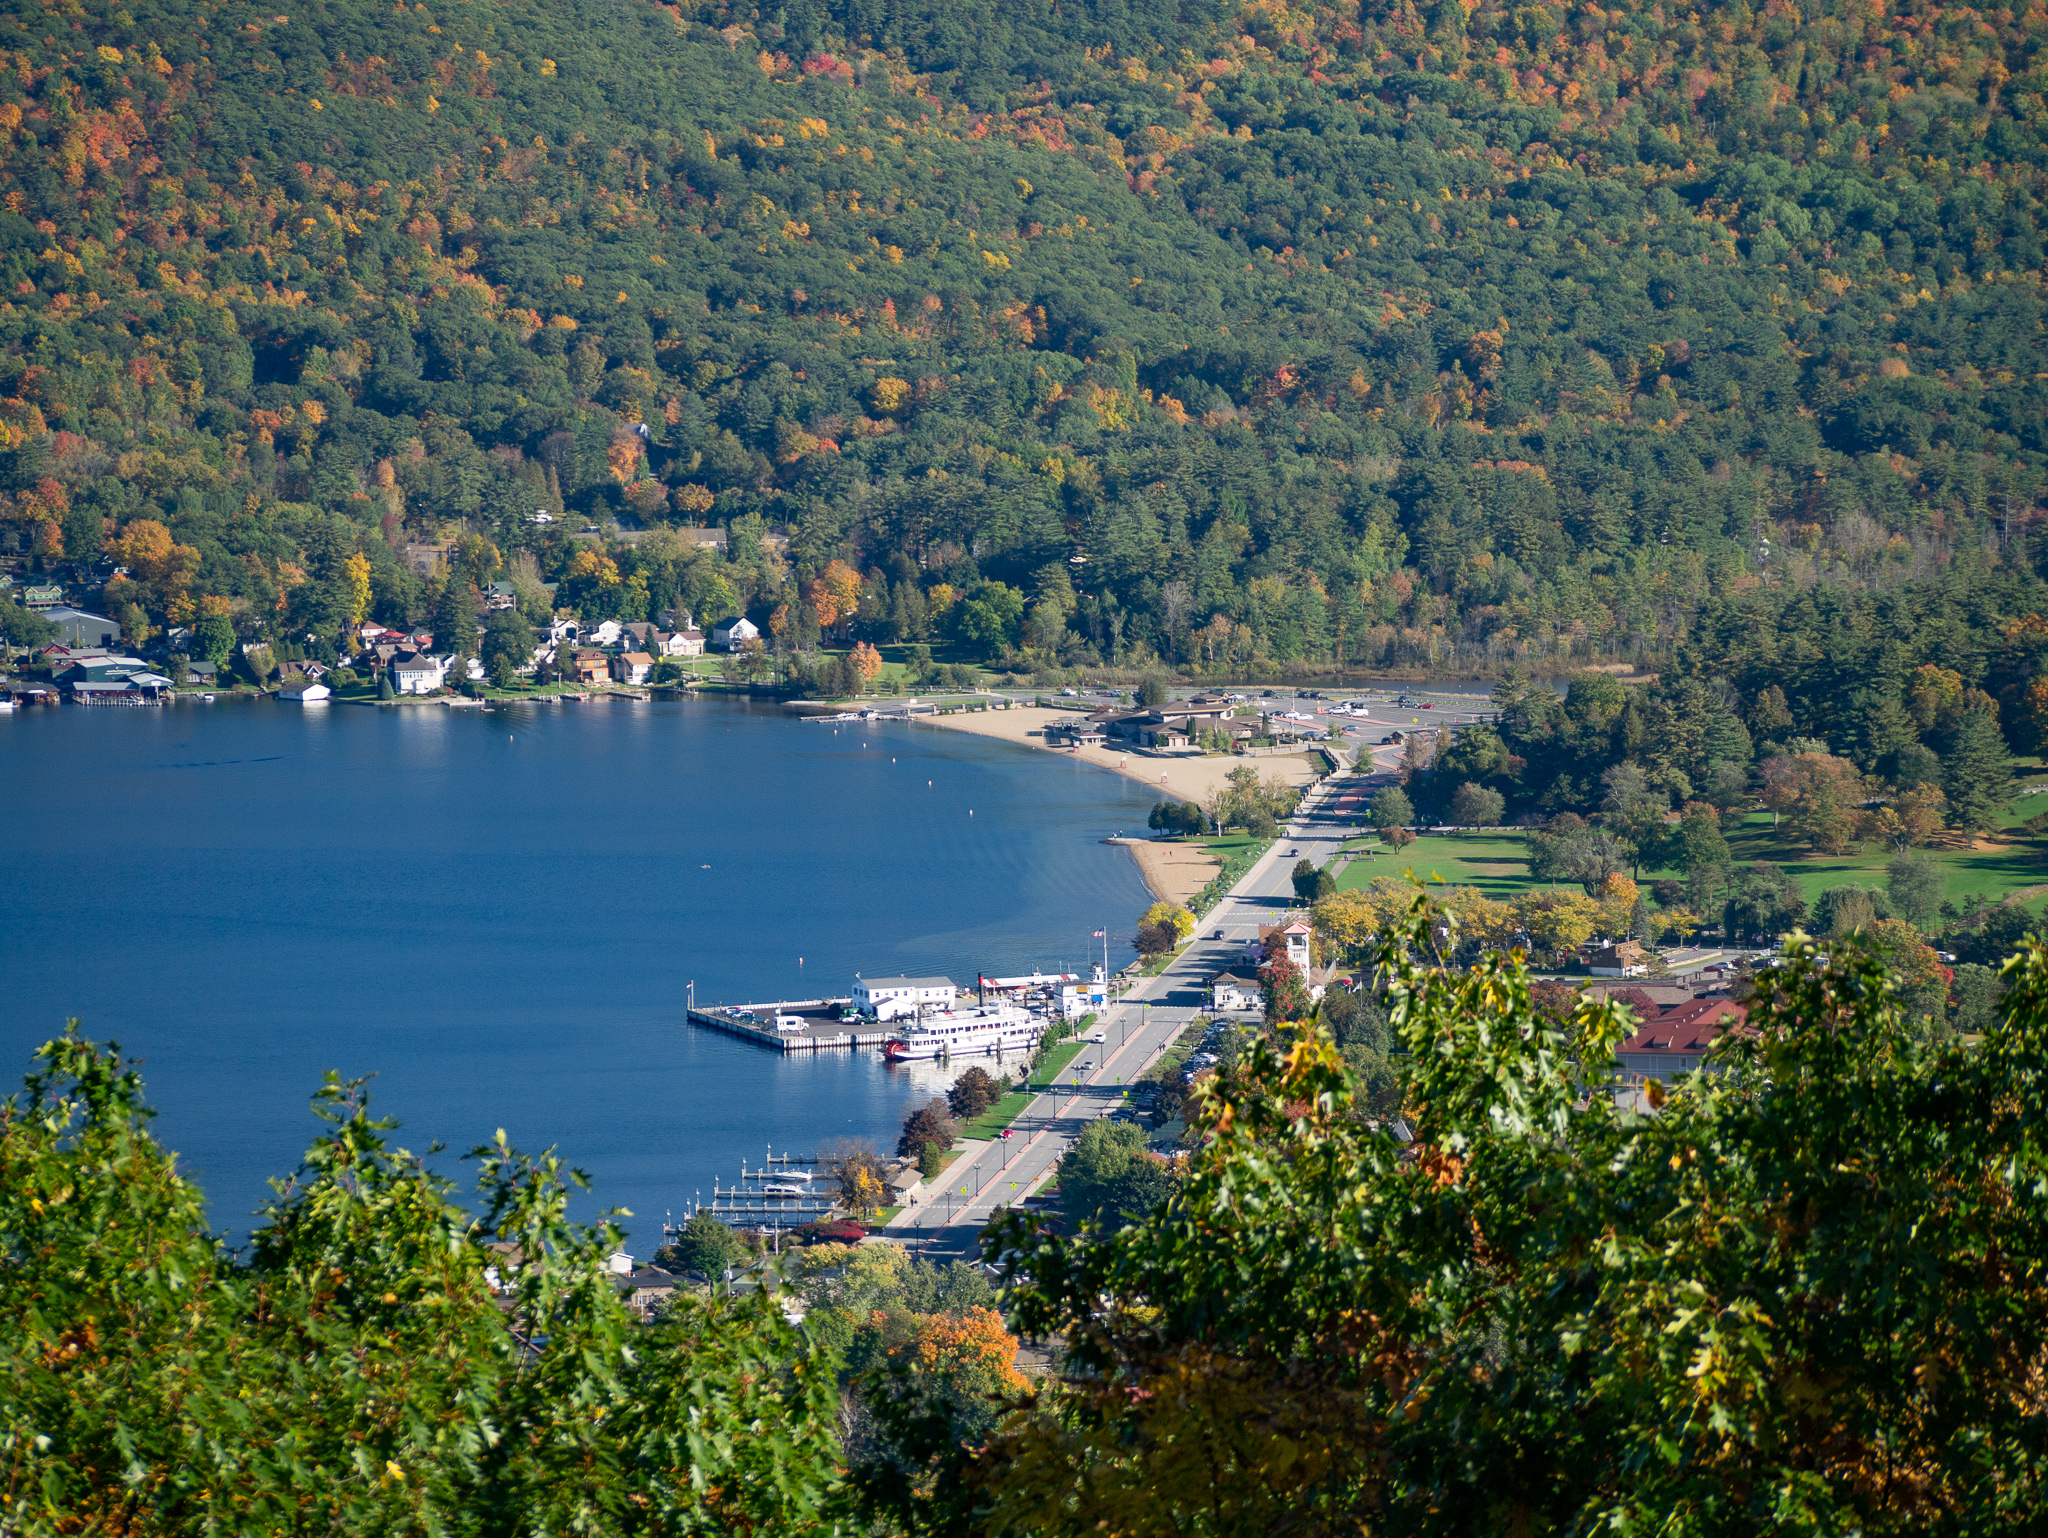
(1138, 1027)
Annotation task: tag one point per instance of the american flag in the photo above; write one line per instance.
(1101, 934)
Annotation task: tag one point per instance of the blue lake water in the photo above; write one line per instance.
(498, 913)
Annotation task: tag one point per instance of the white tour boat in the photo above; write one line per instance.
(967, 1032)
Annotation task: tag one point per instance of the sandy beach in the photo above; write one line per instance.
(1172, 870)
(1190, 778)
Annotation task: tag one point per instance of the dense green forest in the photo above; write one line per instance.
(1225, 334)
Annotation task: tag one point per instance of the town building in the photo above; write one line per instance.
(1626, 959)
(1172, 724)
(644, 1289)
(42, 597)
(1232, 990)
(79, 627)
(1678, 1040)
(1298, 935)
(886, 998)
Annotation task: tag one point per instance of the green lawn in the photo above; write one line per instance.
(1497, 864)
(1993, 874)
(1234, 844)
(998, 1116)
(1056, 1062)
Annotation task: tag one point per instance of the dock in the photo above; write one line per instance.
(748, 1206)
(756, 1023)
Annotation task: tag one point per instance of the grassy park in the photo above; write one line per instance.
(2013, 866)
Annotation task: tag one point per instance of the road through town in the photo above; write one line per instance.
(1138, 1028)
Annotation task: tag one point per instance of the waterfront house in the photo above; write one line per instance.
(1678, 1040)
(731, 635)
(417, 674)
(605, 633)
(561, 629)
(1231, 990)
(679, 643)
(590, 667)
(638, 635)
(888, 997)
(632, 667)
(79, 627)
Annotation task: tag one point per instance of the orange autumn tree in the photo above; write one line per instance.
(835, 594)
(623, 456)
(969, 1345)
(162, 567)
(868, 663)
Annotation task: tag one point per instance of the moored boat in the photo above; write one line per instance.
(993, 1028)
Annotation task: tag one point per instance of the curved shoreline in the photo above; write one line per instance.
(1189, 777)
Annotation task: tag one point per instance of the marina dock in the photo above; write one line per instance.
(749, 1205)
(756, 1023)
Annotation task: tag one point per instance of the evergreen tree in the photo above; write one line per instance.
(1976, 774)
(455, 627)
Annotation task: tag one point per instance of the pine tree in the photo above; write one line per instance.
(455, 628)
(1976, 770)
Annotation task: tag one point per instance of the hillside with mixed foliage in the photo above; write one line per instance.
(1227, 334)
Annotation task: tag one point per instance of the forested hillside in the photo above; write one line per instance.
(1225, 333)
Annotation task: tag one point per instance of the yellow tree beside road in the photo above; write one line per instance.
(1557, 922)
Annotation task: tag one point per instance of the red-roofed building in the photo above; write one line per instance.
(1676, 1041)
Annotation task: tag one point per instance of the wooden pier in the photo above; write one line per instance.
(756, 1023)
(749, 1205)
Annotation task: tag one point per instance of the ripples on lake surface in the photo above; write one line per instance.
(498, 913)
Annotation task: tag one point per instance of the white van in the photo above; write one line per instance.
(791, 1025)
